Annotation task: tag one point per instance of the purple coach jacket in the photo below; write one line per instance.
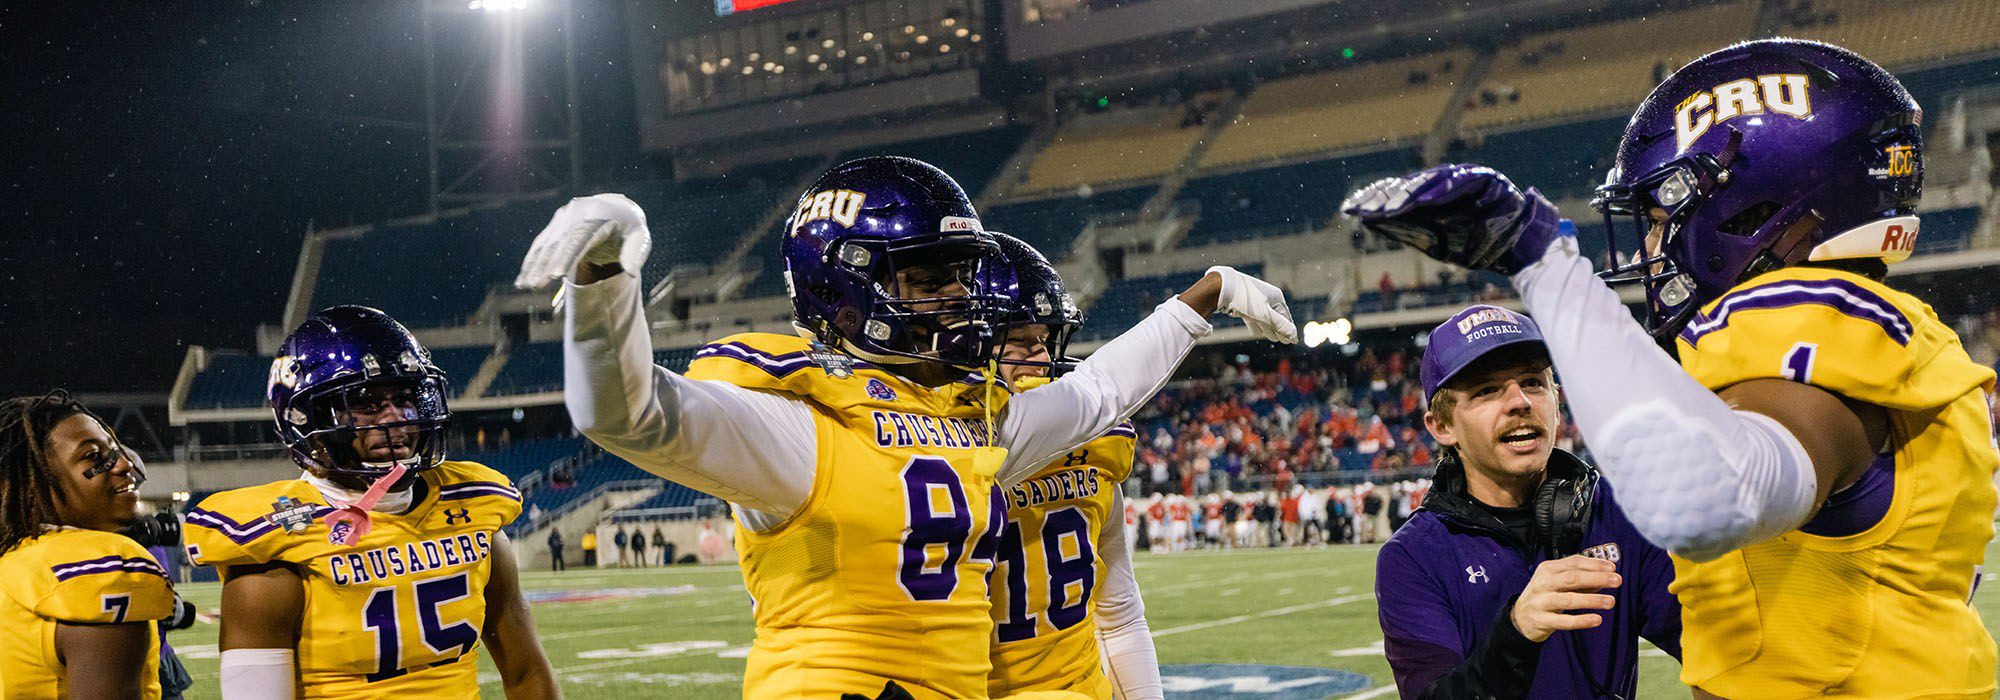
(1445, 583)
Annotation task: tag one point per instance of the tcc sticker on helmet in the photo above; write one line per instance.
(1248, 681)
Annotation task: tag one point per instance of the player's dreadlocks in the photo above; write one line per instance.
(28, 487)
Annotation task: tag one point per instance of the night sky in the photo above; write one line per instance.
(164, 159)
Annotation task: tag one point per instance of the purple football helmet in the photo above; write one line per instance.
(1763, 155)
(1039, 296)
(346, 354)
(886, 260)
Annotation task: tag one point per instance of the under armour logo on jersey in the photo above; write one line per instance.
(1475, 574)
(454, 517)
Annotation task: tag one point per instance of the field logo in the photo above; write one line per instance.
(1252, 681)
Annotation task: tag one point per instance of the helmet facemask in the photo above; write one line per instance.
(1656, 208)
(365, 427)
(934, 299)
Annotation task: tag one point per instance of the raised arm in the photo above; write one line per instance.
(745, 447)
(1120, 377)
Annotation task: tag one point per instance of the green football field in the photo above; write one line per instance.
(682, 632)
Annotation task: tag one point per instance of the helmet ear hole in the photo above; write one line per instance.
(1750, 220)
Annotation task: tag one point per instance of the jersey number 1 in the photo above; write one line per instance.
(379, 616)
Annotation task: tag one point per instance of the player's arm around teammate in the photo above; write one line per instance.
(1516, 540)
(78, 600)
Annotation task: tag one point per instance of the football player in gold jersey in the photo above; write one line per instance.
(864, 469)
(1823, 468)
(379, 571)
(80, 602)
(1066, 609)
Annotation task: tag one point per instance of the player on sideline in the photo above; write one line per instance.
(1823, 468)
(379, 570)
(79, 601)
(1066, 608)
(863, 468)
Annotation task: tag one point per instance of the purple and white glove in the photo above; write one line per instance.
(1466, 215)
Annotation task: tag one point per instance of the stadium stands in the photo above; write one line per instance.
(1599, 68)
(1367, 106)
(525, 457)
(1897, 34)
(1117, 147)
(1564, 160)
(1948, 230)
(232, 380)
(1281, 200)
(1051, 225)
(532, 368)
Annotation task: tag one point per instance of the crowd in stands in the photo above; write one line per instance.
(1313, 419)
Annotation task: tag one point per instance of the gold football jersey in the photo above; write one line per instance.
(1048, 567)
(76, 576)
(881, 574)
(395, 615)
(1870, 597)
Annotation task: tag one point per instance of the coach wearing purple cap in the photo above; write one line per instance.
(1519, 577)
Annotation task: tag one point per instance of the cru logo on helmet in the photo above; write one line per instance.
(842, 206)
(1778, 94)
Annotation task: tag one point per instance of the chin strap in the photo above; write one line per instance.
(987, 460)
(349, 522)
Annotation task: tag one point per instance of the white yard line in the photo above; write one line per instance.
(1275, 612)
(1376, 693)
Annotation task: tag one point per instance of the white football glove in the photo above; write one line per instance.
(599, 229)
(1258, 303)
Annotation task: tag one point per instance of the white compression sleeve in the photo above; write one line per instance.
(1695, 476)
(1123, 639)
(750, 448)
(1110, 385)
(257, 674)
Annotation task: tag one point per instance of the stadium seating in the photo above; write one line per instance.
(1948, 230)
(532, 368)
(524, 457)
(459, 364)
(1051, 225)
(1118, 147)
(1282, 200)
(1601, 67)
(1371, 105)
(1565, 160)
(970, 158)
(1898, 34)
(674, 496)
(231, 380)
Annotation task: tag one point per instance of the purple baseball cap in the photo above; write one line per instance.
(1469, 335)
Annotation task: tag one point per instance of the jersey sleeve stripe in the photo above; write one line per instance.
(1840, 295)
(1124, 430)
(475, 489)
(107, 565)
(235, 531)
(779, 366)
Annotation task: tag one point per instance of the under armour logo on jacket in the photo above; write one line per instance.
(1475, 574)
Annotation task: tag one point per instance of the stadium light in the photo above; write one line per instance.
(1337, 331)
(497, 5)
(1347, 53)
